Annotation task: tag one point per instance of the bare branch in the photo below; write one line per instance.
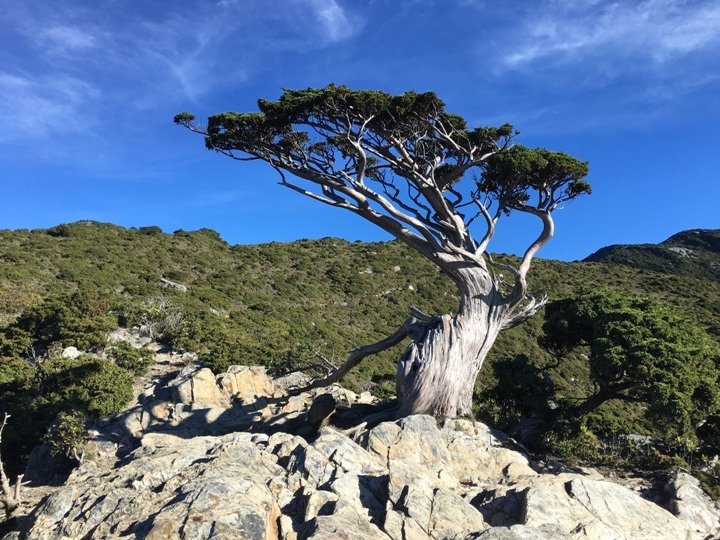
(521, 314)
(544, 237)
(356, 357)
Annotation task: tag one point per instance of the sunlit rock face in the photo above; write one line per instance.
(236, 460)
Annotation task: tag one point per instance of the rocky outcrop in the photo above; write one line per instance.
(689, 503)
(407, 479)
(167, 284)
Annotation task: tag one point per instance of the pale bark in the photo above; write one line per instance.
(10, 494)
(437, 373)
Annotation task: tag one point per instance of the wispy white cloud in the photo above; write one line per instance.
(42, 107)
(657, 31)
(334, 20)
(65, 68)
(64, 39)
(637, 62)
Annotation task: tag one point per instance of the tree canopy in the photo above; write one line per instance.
(400, 161)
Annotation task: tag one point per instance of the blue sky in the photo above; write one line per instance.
(88, 90)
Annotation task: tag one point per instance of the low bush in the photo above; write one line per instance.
(136, 361)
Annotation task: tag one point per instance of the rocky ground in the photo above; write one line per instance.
(227, 456)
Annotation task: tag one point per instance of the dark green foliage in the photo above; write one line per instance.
(401, 116)
(689, 253)
(86, 383)
(573, 443)
(641, 351)
(515, 174)
(153, 230)
(521, 391)
(36, 394)
(710, 480)
(81, 320)
(129, 358)
(67, 434)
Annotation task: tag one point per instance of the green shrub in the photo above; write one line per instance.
(157, 316)
(574, 443)
(67, 435)
(82, 320)
(132, 359)
(88, 384)
(152, 230)
(710, 480)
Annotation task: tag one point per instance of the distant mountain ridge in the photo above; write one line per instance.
(695, 252)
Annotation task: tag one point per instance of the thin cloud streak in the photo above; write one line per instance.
(88, 64)
(657, 30)
(39, 108)
(64, 39)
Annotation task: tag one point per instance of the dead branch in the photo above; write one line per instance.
(356, 356)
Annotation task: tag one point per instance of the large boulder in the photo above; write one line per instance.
(583, 508)
(197, 387)
(246, 384)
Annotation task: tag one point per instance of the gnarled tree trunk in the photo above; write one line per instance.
(437, 372)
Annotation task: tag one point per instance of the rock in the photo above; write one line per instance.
(246, 384)
(201, 468)
(683, 252)
(421, 480)
(70, 352)
(415, 440)
(477, 460)
(132, 337)
(595, 509)
(197, 387)
(320, 503)
(500, 507)
(518, 532)
(45, 468)
(690, 503)
(344, 524)
(167, 284)
(366, 398)
(320, 409)
(296, 379)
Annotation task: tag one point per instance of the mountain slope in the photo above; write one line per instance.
(690, 253)
(282, 305)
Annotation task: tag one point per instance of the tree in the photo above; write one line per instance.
(421, 174)
(641, 351)
(10, 498)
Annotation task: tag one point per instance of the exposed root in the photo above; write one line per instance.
(370, 422)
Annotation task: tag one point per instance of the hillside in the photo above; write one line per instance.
(688, 253)
(282, 305)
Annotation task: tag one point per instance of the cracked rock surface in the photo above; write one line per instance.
(403, 480)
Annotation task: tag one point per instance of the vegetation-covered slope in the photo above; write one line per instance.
(689, 253)
(281, 305)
